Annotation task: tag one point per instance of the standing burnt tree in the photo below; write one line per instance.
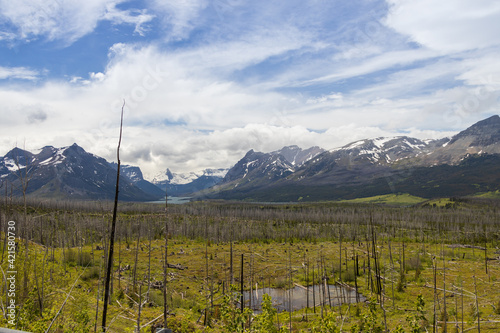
(165, 264)
(112, 231)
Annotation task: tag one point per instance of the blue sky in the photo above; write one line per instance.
(205, 81)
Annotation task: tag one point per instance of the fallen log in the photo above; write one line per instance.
(176, 266)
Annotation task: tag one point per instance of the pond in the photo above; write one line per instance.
(330, 295)
(173, 200)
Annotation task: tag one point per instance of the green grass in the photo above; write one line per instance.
(389, 199)
(488, 195)
(189, 288)
(401, 255)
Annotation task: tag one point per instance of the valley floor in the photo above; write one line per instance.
(420, 268)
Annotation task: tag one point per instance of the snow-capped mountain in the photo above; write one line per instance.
(481, 138)
(70, 172)
(260, 170)
(175, 178)
(134, 175)
(256, 166)
(372, 167)
(177, 184)
(466, 163)
(297, 156)
(385, 150)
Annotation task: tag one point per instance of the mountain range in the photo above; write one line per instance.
(181, 184)
(71, 173)
(464, 164)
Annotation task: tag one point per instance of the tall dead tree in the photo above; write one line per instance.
(24, 175)
(165, 265)
(112, 231)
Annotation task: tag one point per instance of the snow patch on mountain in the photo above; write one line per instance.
(55, 159)
(175, 178)
(12, 166)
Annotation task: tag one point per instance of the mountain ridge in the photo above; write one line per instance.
(182, 184)
(369, 166)
(383, 161)
(72, 173)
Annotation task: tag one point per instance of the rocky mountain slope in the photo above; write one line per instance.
(371, 166)
(71, 173)
(134, 174)
(464, 164)
(181, 184)
(258, 169)
(480, 138)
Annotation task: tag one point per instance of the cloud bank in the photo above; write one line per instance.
(204, 82)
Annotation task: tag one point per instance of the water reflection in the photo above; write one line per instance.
(332, 295)
(173, 200)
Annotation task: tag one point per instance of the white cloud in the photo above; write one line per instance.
(18, 73)
(275, 79)
(180, 16)
(188, 118)
(247, 50)
(65, 21)
(379, 62)
(223, 148)
(7, 36)
(447, 25)
(137, 17)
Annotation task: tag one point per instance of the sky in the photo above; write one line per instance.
(205, 81)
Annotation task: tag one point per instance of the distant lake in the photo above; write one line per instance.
(174, 200)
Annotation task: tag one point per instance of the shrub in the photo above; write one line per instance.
(92, 273)
(401, 281)
(233, 320)
(72, 258)
(413, 264)
(349, 275)
(418, 321)
(84, 259)
(327, 325)
(264, 322)
(69, 257)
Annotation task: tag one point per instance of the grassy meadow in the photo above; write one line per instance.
(429, 267)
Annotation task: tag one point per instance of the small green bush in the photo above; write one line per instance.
(72, 257)
(349, 275)
(84, 259)
(91, 273)
(413, 264)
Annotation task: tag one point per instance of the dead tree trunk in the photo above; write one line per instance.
(165, 266)
(112, 232)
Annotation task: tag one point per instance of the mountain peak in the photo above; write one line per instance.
(250, 152)
(492, 122)
(15, 152)
(493, 119)
(298, 156)
(292, 147)
(71, 172)
(483, 133)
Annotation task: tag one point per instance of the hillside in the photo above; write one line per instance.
(72, 173)
(465, 164)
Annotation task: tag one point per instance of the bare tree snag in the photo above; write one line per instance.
(165, 265)
(112, 233)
